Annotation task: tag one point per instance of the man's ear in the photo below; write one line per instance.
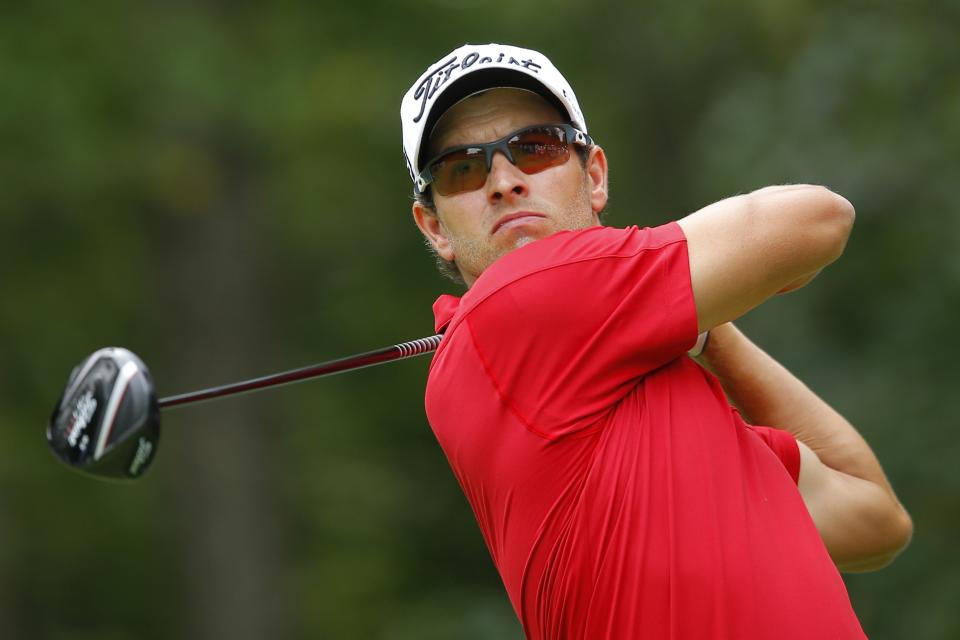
(596, 169)
(433, 230)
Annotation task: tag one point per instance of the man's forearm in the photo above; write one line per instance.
(768, 394)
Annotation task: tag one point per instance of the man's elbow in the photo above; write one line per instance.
(842, 215)
(815, 224)
(832, 218)
(901, 532)
(898, 532)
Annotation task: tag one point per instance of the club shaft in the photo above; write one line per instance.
(386, 354)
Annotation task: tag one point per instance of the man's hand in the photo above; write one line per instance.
(745, 249)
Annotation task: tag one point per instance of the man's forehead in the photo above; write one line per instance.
(490, 113)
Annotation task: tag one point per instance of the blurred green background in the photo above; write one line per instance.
(219, 187)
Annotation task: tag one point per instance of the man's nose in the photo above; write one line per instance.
(505, 179)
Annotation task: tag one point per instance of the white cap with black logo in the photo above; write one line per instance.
(467, 70)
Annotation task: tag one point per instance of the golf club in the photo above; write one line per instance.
(107, 421)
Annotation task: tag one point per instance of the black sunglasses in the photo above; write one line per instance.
(531, 149)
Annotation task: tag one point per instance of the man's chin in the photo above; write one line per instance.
(523, 240)
(519, 240)
(526, 236)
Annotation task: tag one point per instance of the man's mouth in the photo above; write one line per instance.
(514, 219)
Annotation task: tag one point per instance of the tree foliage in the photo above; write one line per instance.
(219, 187)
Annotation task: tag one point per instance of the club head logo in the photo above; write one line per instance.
(83, 412)
(141, 457)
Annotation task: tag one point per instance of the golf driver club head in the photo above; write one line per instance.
(107, 422)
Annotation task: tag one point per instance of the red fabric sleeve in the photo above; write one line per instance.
(784, 445)
(591, 313)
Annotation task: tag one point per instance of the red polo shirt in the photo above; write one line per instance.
(619, 494)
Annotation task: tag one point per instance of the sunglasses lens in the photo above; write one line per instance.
(459, 171)
(533, 150)
(541, 148)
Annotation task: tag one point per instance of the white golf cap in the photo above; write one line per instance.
(467, 70)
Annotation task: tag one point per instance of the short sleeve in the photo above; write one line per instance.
(592, 313)
(784, 445)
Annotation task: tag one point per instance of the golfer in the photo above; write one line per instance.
(621, 485)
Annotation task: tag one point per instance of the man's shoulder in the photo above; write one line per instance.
(548, 269)
(569, 247)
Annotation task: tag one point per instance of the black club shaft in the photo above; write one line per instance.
(387, 354)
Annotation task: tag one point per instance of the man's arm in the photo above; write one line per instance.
(748, 248)
(846, 492)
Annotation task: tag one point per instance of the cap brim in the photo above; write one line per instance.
(480, 80)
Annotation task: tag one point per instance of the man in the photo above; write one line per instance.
(619, 493)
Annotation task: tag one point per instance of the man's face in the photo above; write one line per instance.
(475, 228)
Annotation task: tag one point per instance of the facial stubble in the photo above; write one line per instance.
(473, 256)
